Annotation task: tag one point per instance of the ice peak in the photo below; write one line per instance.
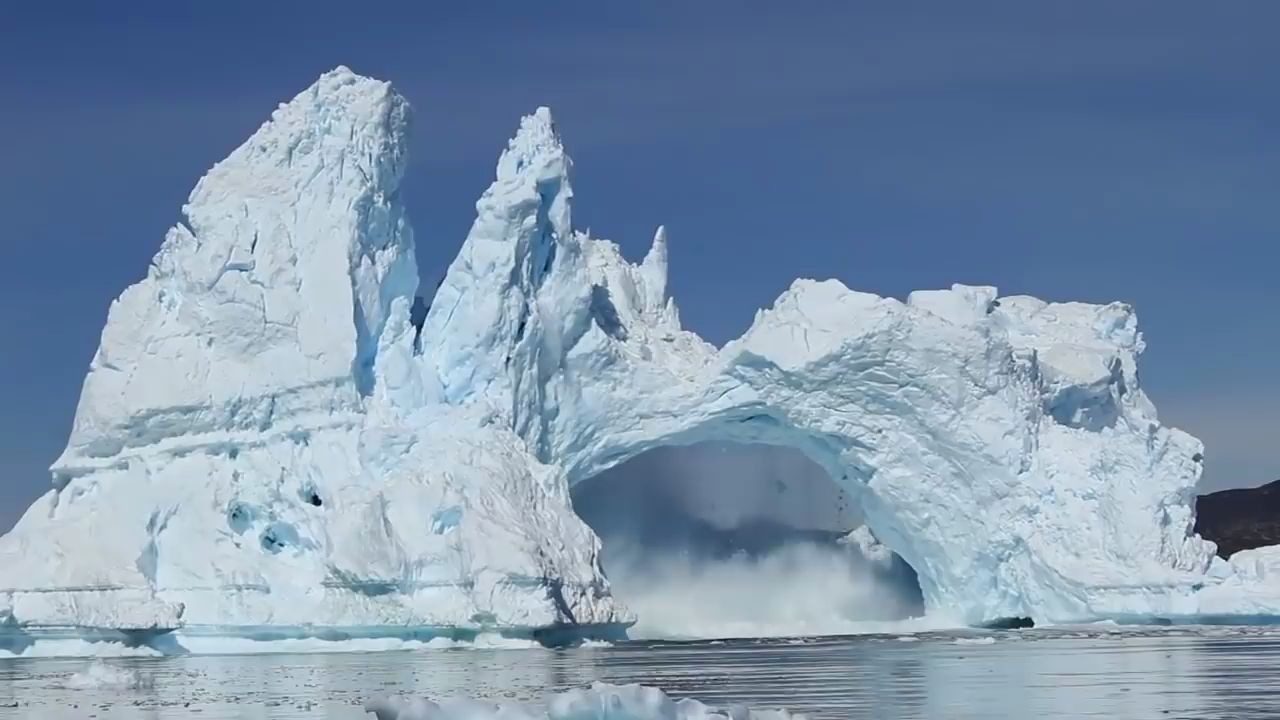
(658, 250)
(522, 232)
(654, 270)
(341, 71)
(537, 137)
(535, 168)
(224, 321)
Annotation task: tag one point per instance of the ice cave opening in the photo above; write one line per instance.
(722, 539)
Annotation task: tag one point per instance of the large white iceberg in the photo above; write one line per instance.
(268, 437)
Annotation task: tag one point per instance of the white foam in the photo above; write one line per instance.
(203, 644)
(100, 675)
(974, 641)
(210, 645)
(75, 647)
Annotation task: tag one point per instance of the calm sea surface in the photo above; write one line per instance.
(1217, 672)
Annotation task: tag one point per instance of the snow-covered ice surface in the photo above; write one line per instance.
(267, 439)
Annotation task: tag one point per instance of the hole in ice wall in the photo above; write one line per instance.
(725, 540)
(309, 495)
(239, 517)
(278, 536)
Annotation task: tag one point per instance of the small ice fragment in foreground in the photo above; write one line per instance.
(600, 702)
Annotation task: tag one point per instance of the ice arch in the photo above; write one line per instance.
(731, 540)
(283, 438)
(1002, 446)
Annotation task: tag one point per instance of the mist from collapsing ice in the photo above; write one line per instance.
(716, 540)
(796, 589)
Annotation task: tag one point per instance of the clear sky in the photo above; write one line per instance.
(1090, 150)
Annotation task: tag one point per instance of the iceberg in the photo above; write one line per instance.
(272, 438)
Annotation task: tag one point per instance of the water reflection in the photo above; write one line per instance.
(1185, 673)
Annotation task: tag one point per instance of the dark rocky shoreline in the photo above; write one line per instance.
(1240, 519)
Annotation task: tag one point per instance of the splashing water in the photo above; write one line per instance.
(100, 675)
(794, 590)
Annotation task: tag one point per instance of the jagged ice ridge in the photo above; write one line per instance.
(266, 437)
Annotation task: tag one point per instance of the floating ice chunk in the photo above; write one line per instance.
(601, 702)
(871, 549)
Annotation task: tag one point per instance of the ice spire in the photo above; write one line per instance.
(653, 270)
(487, 304)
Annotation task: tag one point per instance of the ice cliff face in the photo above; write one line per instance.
(232, 460)
(269, 300)
(265, 438)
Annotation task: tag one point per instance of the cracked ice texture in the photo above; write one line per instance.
(233, 391)
(269, 299)
(264, 438)
(924, 410)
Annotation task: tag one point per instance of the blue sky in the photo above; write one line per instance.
(1089, 150)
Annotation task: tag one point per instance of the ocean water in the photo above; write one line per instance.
(1102, 671)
